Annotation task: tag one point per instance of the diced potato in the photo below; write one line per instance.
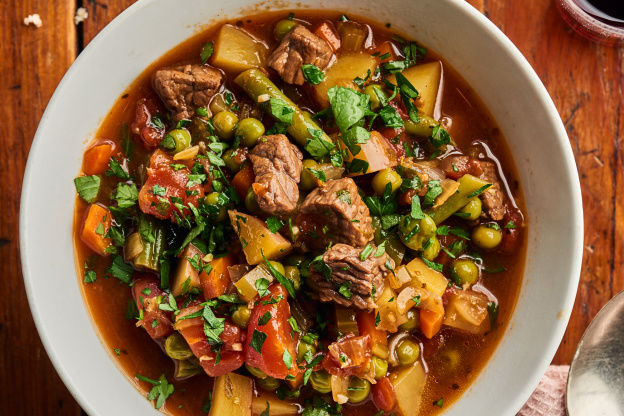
(426, 79)
(186, 271)
(389, 316)
(467, 311)
(425, 277)
(277, 407)
(408, 388)
(400, 278)
(342, 73)
(236, 51)
(257, 239)
(232, 395)
(376, 152)
(246, 285)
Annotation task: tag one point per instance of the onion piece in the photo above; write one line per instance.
(340, 388)
(428, 167)
(467, 311)
(351, 351)
(428, 300)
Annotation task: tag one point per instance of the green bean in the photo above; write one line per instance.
(468, 184)
(256, 84)
(422, 128)
(177, 348)
(149, 258)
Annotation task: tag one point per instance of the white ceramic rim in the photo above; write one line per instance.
(569, 169)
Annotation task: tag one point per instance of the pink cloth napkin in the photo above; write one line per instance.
(548, 399)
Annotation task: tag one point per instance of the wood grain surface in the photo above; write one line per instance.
(584, 80)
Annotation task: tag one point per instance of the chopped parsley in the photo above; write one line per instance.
(116, 169)
(207, 52)
(312, 74)
(345, 291)
(480, 190)
(161, 390)
(257, 340)
(88, 187)
(264, 319)
(274, 224)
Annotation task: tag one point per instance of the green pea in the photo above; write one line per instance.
(376, 103)
(486, 237)
(177, 348)
(380, 366)
(359, 389)
(279, 266)
(268, 383)
(181, 138)
(412, 320)
(229, 157)
(295, 260)
(385, 177)
(224, 124)
(431, 252)
(466, 270)
(249, 130)
(302, 349)
(256, 372)
(213, 199)
(293, 274)
(415, 233)
(321, 381)
(241, 315)
(473, 208)
(251, 202)
(283, 27)
(407, 352)
(308, 180)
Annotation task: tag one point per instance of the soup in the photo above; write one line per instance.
(300, 213)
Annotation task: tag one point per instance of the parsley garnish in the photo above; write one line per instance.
(120, 269)
(433, 191)
(126, 195)
(287, 358)
(344, 196)
(344, 290)
(417, 212)
(366, 252)
(510, 225)
(288, 284)
(262, 285)
(257, 340)
(319, 174)
(480, 190)
(116, 169)
(161, 390)
(432, 265)
(312, 74)
(207, 52)
(264, 319)
(280, 110)
(87, 187)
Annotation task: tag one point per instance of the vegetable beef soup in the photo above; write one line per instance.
(300, 213)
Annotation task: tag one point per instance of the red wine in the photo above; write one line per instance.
(607, 11)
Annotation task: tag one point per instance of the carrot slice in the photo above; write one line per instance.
(216, 282)
(96, 159)
(384, 48)
(430, 322)
(366, 326)
(96, 224)
(243, 180)
(327, 32)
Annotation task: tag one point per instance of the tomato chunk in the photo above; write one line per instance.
(151, 133)
(383, 394)
(171, 186)
(215, 283)
(230, 356)
(366, 326)
(277, 351)
(156, 322)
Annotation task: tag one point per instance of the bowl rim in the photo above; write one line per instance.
(576, 210)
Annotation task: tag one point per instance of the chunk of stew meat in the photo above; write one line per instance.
(187, 87)
(349, 271)
(493, 198)
(335, 213)
(299, 47)
(277, 165)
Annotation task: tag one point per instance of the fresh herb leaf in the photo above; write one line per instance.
(274, 224)
(120, 269)
(288, 284)
(390, 117)
(87, 187)
(207, 52)
(264, 319)
(116, 169)
(492, 309)
(417, 212)
(433, 191)
(344, 196)
(257, 340)
(90, 276)
(287, 358)
(439, 137)
(126, 195)
(366, 252)
(435, 266)
(262, 285)
(510, 225)
(312, 74)
(319, 174)
(480, 190)
(318, 147)
(348, 106)
(281, 110)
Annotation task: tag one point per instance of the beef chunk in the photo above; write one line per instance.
(187, 87)
(299, 47)
(277, 166)
(493, 196)
(335, 213)
(347, 266)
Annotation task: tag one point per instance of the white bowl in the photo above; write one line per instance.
(467, 40)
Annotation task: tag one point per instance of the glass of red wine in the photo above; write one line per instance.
(598, 20)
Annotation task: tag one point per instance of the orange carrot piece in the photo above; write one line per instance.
(384, 48)
(327, 32)
(97, 222)
(216, 282)
(96, 159)
(430, 322)
(243, 180)
(366, 326)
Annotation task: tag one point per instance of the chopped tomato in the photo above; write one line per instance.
(407, 196)
(171, 186)
(216, 282)
(274, 339)
(387, 50)
(395, 138)
(471, 167)
(511, 232)
(350, 355)
(151, 133)
(97, 222)
(383, 394)
(156, 322)
(97, 157)
(366, 326)
(230, 353)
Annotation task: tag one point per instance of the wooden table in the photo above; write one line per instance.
(585, 81)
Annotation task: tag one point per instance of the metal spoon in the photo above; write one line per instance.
(596, 378)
